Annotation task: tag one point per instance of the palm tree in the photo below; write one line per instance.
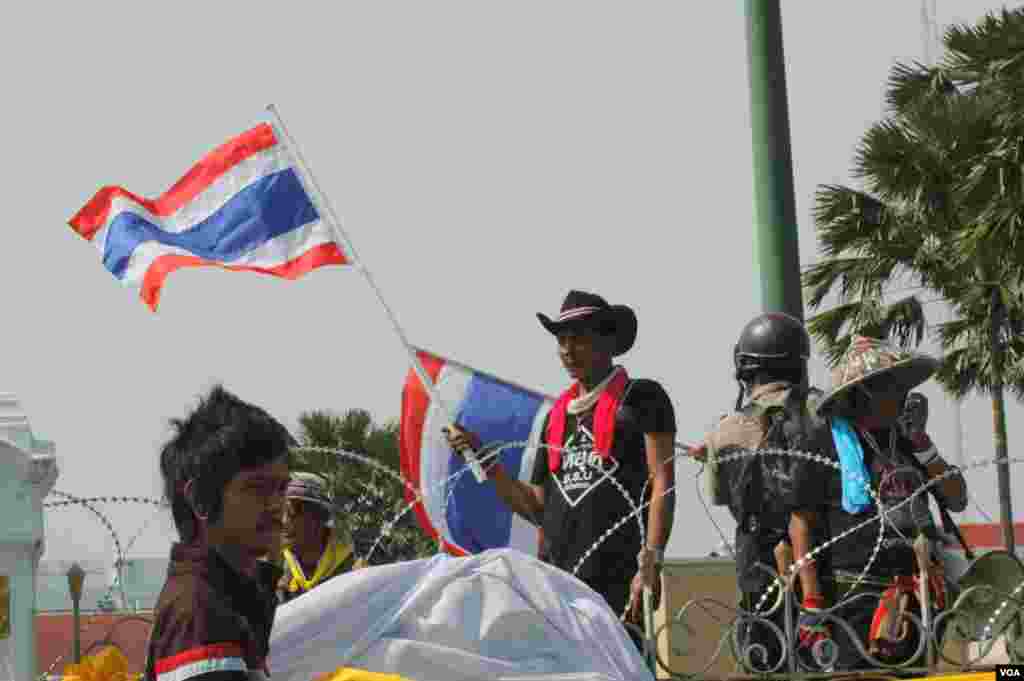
(369, 499)
(926, 222)
(987, 56)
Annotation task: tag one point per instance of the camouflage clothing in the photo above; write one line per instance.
(762, 490)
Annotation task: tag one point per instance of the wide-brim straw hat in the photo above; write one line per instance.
(876, 361)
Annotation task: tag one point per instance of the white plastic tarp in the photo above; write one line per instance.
(501, 614)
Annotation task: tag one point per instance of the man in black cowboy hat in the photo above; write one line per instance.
(879, 443)
(606, 435)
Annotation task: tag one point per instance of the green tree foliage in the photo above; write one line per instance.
(369, 499)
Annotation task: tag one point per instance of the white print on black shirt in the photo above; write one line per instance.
(581, 469)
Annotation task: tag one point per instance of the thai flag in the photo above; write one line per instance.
(466, 515)
(243, 207)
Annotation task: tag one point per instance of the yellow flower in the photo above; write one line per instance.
(353, 674)
(109, 664)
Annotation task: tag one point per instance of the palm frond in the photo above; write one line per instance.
(355, 427)
(835, 328)
(992, 194)
(827, 327)
(383, 442)
(904, 322)
(846, 218)
(958, 374)
(989, 47)
(913, 83)
(320, 429)
(850, 221)
(888, 160)
(852, 277)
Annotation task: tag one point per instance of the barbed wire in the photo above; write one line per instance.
(881, 516)
(753, 656)
(829, 615)
(87, 503)
(104, 500)
(70, 501)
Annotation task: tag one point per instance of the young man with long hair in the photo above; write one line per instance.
(224, 470)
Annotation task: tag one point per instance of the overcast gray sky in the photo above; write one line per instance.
(486, 158)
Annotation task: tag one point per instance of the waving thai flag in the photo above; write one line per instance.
(466, 515)
(242, 207)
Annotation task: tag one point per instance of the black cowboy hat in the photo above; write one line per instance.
(589, 309)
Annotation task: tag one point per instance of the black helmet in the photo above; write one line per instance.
(771, 341)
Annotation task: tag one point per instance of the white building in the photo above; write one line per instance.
(28, 471)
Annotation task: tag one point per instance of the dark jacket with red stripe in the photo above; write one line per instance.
(211, 622)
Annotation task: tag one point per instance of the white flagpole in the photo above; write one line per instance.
(652, 642)
(327, 211)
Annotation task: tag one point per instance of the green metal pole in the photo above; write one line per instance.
(76, 639)
(776, 237)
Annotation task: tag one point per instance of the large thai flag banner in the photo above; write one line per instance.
(468, 517)
(243, 207)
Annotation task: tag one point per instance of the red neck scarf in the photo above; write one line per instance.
(604, 419)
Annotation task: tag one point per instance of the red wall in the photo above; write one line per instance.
(990, 535)
(54, 638)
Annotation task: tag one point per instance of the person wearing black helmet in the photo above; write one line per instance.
(774, 499)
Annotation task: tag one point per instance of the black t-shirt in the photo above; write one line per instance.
(892, 486)
(580, 504)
